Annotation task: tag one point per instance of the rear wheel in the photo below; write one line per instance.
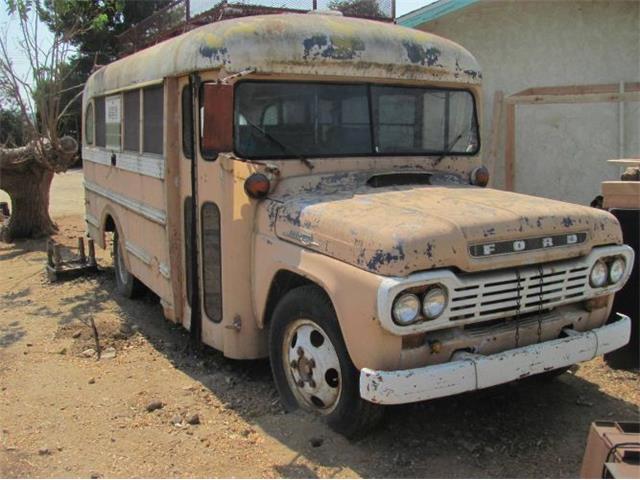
(311, 367)
(126, 284)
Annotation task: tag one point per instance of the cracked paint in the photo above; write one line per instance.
(401, 229)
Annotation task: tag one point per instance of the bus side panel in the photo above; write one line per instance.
(136, 203)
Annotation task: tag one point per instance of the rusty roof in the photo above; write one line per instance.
(296, 44)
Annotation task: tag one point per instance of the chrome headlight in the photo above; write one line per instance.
(616, 269)
(406, 309)
(434, 302)
(599, 274)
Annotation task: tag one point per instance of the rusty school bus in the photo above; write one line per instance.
(310, 188)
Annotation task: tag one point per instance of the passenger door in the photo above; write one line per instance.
(215, 113)
(185, 166)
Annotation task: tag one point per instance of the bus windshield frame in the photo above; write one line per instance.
(282, 119)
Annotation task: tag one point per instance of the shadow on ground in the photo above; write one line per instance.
(540, 427)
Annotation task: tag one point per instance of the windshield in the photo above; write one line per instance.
(288, 120)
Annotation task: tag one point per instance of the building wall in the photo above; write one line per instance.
(560, 149)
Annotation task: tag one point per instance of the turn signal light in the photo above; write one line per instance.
(480, 176)
(257, 185)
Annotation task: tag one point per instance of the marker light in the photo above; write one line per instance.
(257, 185)
(480, 176)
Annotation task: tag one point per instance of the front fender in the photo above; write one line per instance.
(352, 292)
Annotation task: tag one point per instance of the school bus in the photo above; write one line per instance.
(309, 188)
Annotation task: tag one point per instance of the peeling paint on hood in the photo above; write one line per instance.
(400, 230)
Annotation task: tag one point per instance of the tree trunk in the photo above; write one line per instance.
(26, 174)
(29, 192)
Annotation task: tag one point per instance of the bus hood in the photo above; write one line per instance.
(396, 231)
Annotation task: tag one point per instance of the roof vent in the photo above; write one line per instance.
(333, 13)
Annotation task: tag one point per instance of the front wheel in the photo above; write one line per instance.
(311, 366)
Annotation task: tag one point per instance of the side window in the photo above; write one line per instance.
(188, 225)
(100, 117)
(113, 121)
(187, 123)
(153, 134)
(132, 121)
(88, 124)
(211, 261)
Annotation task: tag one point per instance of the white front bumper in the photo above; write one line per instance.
(468, 371)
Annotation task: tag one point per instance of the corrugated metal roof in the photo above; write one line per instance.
(432, 12)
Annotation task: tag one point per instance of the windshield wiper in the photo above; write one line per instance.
(285, 148)
(447, 151)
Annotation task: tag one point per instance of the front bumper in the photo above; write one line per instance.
(467, 371)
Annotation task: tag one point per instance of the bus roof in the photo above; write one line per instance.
(295, 44)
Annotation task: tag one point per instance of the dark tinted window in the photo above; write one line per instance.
(211, 261)
(101, 136)
(153, 119)
(302, 119)
(88, 124)
(188, 225)
(132, 121)
(187, 122)
(276, 119)
(417, 120)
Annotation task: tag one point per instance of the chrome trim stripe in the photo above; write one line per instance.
(144, 164)
(165, 270)
(138, 252)
(151, 213)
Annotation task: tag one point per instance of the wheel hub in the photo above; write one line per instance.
(304, 366)
(313, 368)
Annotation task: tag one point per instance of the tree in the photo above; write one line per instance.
(97, 25)
(358, 8)
(47, 98)
(26, 172)
(11, 128)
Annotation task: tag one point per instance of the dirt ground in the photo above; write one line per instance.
(65, 415)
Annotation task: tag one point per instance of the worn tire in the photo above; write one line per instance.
(351, 416)
(126, 284)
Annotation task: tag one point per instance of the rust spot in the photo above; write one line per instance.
(326, 47)
(420, 55)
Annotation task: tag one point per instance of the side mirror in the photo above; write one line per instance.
(216, 118)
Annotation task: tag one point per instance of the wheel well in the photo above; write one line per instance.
(109, 224)
(283, 282)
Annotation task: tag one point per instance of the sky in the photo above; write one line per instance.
(406, 6)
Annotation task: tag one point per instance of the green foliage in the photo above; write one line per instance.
(358, 8)
(92, 28)
(12, 132)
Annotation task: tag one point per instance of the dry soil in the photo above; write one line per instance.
(63, 414)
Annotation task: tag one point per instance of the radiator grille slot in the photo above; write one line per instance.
(484, 295)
